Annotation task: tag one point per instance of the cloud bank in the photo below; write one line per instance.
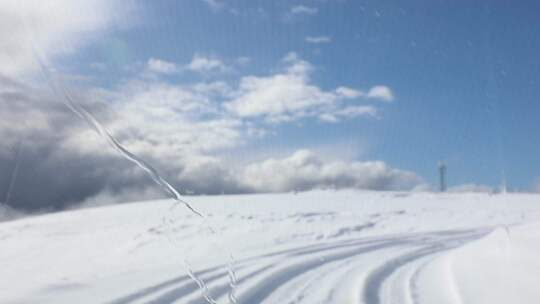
(304, 170)
(177, 128)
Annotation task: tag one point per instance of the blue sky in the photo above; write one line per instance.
(464, 74)
(266, 89)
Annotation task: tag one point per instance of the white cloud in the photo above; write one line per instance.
(318, 39)
(305, 10)
(167, 120)
(203, 64)
(304, 170)
(290, 95)
(280, 94)
(161, 66)
(348, 112)
(55, 27)
(380, 92)
(349, 93)
(215, 88)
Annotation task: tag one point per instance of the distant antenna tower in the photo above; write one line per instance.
(442, 176)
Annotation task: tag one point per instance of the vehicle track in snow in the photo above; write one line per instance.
(369, 270)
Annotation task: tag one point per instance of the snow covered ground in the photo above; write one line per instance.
(314, 247)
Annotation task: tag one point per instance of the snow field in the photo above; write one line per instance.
(313, 247)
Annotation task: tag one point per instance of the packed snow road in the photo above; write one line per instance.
(315, 247)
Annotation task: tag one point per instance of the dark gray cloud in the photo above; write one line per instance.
(49, 174)
(61, 162)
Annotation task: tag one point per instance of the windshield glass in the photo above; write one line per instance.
(314, 151)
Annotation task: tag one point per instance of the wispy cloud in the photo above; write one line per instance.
(304, 10)
(349, 93)
(318, 39)
(348, 113)
(215, 4)
(243, 60)
(200, 63)
(381, 92)
(161, 66)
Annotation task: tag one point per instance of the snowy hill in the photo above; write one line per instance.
(314, 247)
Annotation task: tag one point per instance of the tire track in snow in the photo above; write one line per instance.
(262, 276)
(356, 266)
(208, 276)
(262, 290)
(374, 283)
